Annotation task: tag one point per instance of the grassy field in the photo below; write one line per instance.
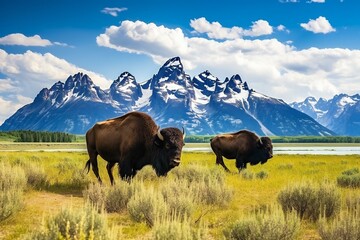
(66, 183)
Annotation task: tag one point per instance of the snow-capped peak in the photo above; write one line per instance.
(174, 62)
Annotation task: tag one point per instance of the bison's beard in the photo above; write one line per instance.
(160, 163)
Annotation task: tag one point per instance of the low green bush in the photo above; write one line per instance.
(70, 223)
(118, 196)
(195, 173)
(96, 193)
(177, 229)
(146, 205)
(111, 198)
(349, 178)
(261, 175)
(12, 185)
(345, 226)
(36, 176)
(180, 196)
(247, 174)
(311, 200)
(269, 224)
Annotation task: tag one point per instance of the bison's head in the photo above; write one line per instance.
(169, 143)
(266, 146)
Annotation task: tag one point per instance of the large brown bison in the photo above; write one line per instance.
(133, 141)
(244, 146)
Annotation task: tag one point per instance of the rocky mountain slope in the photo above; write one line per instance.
(202, 105)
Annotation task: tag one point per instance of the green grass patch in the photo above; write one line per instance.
(199, 197)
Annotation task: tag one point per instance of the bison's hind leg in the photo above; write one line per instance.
(109, 168)
(94, 164)
(219, 160)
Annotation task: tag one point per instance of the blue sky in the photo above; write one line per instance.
(287, 49)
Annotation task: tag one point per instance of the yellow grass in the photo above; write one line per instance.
(281, 170)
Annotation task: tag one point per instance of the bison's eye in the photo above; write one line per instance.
(167, 146)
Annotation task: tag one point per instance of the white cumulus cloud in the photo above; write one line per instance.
(319, 25)
(113, 11)
(21, 39)
(269, 66)
(216, 31)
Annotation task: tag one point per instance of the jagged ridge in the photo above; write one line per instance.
(202, 105)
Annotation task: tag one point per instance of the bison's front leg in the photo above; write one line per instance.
(240, 164)
(126, 171)
(219, 160)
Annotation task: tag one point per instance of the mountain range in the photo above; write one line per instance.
(341, 114)
(202, 105)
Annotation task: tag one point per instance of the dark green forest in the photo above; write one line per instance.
(39, 136)
(36, 136)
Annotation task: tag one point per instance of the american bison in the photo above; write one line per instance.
(244, 146)
(133, 141)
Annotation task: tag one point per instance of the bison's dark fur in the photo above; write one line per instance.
(133, 141)
(244, 146)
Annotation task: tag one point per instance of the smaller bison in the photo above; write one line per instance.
(244, 146)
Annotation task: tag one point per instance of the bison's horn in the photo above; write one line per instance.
(184, 134)
(160, 136)
(261, 143)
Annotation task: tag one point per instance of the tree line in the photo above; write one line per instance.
(37, 136)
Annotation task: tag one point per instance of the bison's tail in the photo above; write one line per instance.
(211, 139)
(87, 166)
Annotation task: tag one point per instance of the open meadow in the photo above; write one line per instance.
(197, 200)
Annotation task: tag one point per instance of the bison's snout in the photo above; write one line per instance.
(270, 156)
(175, 162)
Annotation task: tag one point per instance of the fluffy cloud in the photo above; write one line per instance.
(269, 66)
(27, 73)
(319, 25)
(113, 11)
(216, 31)
(21, 39)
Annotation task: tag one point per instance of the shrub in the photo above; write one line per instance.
(207, 185)
(180, 196)
(96, 195)
(12, 184)
(146, 173)
(11, 201)
(352, 201)
(262, 175)
(310, 200)
(285, 166)
(79, 179)
(195, 173)
(213, 192)
(118, 196)
(36, 176)
(349, 178)
(177, 229)
(247, 174)
(11, 177)
(146, 205)
(271, 224)
(344, 226)
(82, 223)
(111, 198)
